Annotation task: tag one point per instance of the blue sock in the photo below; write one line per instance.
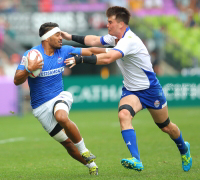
(130, 140)
(181, 144)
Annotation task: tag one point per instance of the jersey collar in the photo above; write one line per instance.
(126, 31)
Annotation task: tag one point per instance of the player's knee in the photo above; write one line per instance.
(61, 117)
(125, 112)
(170, 129)
(123, 115)
(165, 126)
(61, 111)
(166, 129)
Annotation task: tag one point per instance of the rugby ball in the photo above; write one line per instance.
(32, 55)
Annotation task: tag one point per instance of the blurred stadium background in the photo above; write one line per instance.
(169, 28)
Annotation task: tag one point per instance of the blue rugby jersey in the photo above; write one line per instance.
(49, 83)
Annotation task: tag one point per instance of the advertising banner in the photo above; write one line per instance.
(181, 91)
(8, 97)
(92, 92)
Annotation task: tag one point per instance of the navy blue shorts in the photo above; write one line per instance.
(153, 97)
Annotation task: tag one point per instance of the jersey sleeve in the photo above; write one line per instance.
(70, 49)
(126, 46)
(108, 40)
(76, 50)
(21, 66)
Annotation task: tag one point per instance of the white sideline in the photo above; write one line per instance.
(12, 140)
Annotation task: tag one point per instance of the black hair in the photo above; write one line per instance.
(46, 27)
(121, 13)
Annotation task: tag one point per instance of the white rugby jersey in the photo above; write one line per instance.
(135, 63)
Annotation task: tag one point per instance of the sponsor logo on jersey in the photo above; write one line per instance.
(157, 103)
(60, 60)
(51, 72)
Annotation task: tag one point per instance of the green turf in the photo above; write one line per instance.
(37, 156)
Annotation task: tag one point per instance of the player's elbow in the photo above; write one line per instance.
(16, 82)
(90, 51)
(108, 61)
(93, 43)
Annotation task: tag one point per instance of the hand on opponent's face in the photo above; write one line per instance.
(66, 36)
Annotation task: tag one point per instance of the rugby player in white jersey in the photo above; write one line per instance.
(141, 89)
(50, 104)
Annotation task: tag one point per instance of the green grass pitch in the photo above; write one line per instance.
(27, 152)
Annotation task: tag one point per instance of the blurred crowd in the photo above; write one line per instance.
(8, 65)
(7, 6)
(185, 8)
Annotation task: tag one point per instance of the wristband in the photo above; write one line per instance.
(27, 70)
(79, 39)
(85, 59)
(90, 59)
(78, 59)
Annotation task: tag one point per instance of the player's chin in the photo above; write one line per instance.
(109, 32)
(58, 47)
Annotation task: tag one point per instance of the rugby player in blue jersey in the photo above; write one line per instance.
(141, 87)
(50, 103)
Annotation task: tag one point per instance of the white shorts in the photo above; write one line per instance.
(44, 113)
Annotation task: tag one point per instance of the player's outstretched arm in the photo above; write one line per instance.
(109, 57)
(92, 50)
(100, 59)
(89, 40)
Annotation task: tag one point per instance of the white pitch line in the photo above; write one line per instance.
(12, 140)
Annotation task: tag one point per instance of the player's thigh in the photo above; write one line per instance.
(63, 102)
(133, 101)
(62, 106)
(45, 116)
(159, 115)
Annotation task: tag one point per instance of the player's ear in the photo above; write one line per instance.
(121, 24)
(47, 39)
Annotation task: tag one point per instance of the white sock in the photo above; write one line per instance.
(92, 164)
(81, 146)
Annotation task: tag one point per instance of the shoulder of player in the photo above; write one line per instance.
(35, 47)
(67, 48)
(130, 38)
(109, 37)
(127, 39)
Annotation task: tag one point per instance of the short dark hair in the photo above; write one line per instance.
(121, 13)
(46, 27)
